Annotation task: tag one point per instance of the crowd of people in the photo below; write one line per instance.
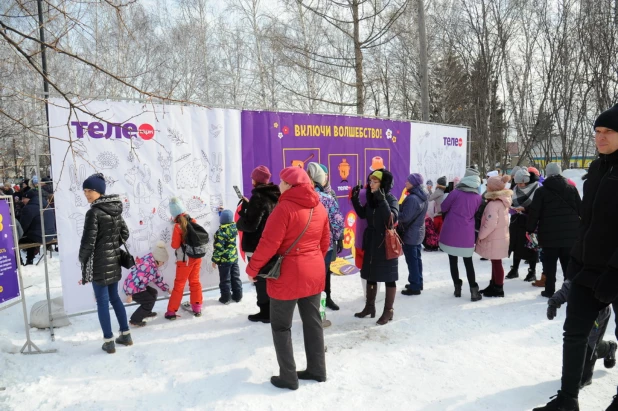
(291, 233)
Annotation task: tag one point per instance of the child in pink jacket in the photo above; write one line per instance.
(145, 271)
(493, 239)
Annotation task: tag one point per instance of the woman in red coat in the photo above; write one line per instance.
(302, 274)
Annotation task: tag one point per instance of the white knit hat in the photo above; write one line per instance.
(159, 252)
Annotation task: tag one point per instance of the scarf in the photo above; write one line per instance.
(469, 184)
(522, 197)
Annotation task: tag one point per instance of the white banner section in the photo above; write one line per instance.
(437, 150)
(148, 153)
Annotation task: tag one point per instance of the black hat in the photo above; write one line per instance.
(442, 181)
(30, 194)
(95, 182)
(608, 118)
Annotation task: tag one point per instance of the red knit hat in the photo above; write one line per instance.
(261, 174)
(534, 170)
(294, 176)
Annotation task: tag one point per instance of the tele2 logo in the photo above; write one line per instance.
(105, 130)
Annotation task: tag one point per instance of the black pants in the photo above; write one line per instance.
(147, 300)
(327, 262)
(229, 280)
(30, 252)
(452, 260)
(263, 300)
(531, 263)
(582, 311)
(550, 265)
(281, 314)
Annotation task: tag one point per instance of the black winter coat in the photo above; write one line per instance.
(30, 220)
(104, 232)
(517, 242)
(377, 212)
(253, 214)
(555, 208)
(596, 248)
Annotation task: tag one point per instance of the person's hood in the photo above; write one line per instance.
(418, 190)
(506, 196)
(556, 183)
(470, 181)
(109, 204)
(387, 181)
(270, 191)
(229, 230)
(303, 195)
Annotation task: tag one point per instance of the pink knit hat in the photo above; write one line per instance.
(497, 183)
(261, 175)
(294, 176)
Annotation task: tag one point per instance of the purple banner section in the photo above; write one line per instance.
(347, 146)
(9, 284)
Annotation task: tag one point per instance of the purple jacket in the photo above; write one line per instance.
(458, 227)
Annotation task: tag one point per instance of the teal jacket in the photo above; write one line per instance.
(225, 251)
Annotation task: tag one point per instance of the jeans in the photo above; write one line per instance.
(106, 294)
(327, 261)
(281, 314)
(550, 265)
(146, 300)
(415, 266)
(229, 280)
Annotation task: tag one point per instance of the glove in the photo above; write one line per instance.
(339, 246)
(356, 191)
(552, 310)
(606, 286)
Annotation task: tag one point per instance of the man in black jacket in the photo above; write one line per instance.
(555, 208)
(594, 261)
(252, 220)
(30, 220)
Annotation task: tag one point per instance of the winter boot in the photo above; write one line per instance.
(370, 302)
(109, 346)
(331, 304)
(125, 338)
(137, 324)
(237, 297)
(514, 273)
(387, 315)
(494, 291)
(197, 309)
(547, 294)
(541, 282)
(560, 402)
(306, 375)
(225, 299)
(610, 358)
(263, 316)
(531, 275)
(475, 295)
(458, 285)
(171, 315)
(151, 315)
(488, 288)
(326, 323)
(614, 405)
(407, 291)
(279, 383)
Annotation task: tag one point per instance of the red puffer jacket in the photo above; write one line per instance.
(302, 272)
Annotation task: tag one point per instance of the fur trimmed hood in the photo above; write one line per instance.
(505, 195)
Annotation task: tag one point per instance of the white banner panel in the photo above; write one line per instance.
(148, 154)
(437, 150)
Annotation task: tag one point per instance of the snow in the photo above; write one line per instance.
(439, 353)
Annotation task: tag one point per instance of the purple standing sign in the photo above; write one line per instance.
(9, 283)
(346, 145)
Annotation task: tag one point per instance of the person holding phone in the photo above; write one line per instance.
(252, 219)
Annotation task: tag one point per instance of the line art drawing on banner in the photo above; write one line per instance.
(110, 181)
(216, 166)
(216, 201)
(166, 235)
(166, 163)
(175, 136)
(215, 130)
(126, 205)
(107, 161)
(183, 157)
(78, 221)
(163, 210)
(188, 177)
(160, 188)
(141, 237)
(76, 184)
(139, 178)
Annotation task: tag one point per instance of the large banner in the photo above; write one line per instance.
(438, 150)
(347, 146)
(148, 153)
(9, 283)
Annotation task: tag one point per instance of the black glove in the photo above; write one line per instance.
(339, 246)
(356, 191)
(552, 310)
(606, 287)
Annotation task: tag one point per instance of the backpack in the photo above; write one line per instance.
(478, 217)
(195, 241)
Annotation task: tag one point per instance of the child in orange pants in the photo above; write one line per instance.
(187, 268)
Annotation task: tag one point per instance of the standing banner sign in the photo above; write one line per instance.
(148, 154)
(347, 146)
(9, 283)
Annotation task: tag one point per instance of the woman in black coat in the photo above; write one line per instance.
(555, 209)
(380, 208)
(99, 254)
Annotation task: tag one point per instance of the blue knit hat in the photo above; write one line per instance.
(227, 217)
(95, 182)
(324, 168)
(176, 207)
(416, 179)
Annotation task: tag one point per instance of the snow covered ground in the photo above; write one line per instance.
(439, 353)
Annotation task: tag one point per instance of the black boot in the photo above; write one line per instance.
(306, 375)
(475, 295)
(458, 285)
(263, 316)
(560, 402)
(488, 288)
(109, 346)
(494, 291)
(370, 302)
(531, 275)
(614, 405)
(387, 315)
(279, 383)
(514, 273)
(609, 361)
(331, 304)
(125, 338)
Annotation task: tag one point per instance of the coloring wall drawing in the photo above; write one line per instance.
(148, 153)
